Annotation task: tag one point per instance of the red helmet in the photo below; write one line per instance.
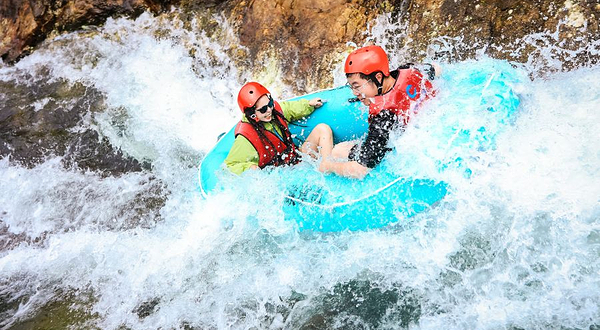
(249, 94)
(368, 60)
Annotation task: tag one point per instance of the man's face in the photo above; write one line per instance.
(363, 89)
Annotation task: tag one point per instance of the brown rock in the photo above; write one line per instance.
(24, 23)
(304, 37)
(499, 27)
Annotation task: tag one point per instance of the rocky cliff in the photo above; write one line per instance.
(25, 23)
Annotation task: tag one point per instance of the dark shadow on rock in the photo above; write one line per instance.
(360, 304)
(41, 118)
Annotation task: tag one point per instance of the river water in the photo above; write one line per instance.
(516, 245)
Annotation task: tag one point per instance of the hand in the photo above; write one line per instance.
(316, 102)
(437, 68)
(356, 171)
(325, 165)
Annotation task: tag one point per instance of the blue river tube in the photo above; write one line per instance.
(329, 203)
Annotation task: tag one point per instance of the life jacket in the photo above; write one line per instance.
(410, 89)
(282, 155)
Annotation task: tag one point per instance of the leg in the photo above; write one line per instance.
(342, 150)
(320, 140)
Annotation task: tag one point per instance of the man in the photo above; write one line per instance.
(391, 98)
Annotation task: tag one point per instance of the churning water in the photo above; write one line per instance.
(516, 245)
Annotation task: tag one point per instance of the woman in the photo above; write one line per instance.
(262, 136)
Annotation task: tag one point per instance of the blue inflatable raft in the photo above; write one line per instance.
(329, 203)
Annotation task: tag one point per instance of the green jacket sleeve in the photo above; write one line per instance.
(294, 110)
(241, 156)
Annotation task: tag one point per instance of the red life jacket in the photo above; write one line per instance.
(410, 90)
(282, 155)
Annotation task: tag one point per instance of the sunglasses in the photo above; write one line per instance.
(264, 109)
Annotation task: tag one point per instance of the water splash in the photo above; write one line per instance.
(515, 245)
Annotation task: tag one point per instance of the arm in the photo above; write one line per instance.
(294, 110)
(437, 69)
(430, 70)
(242, 156)
(375, 146)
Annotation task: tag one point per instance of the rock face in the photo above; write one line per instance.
(41, 121)
(305, 38)
(500, 27)
(308, 37)
(24, 23)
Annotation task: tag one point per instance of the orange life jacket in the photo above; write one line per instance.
(410, 90)
(282, 155)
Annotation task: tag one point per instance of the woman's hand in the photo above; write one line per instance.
(316, 102)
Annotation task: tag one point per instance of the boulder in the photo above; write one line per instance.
(46, 119)
(25, 23)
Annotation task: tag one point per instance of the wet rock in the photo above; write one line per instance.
(46, 118)
(298, 42)
(307, 38)
(500, 28)
(69, 309)
(360, 304)
(24, 23)
(146, 308)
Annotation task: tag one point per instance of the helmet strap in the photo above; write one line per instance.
(379, 85)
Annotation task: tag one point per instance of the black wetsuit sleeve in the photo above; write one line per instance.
(375, 146)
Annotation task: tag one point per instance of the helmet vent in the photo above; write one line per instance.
(251, 92)
(350, 63)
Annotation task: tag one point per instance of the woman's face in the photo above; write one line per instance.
(265, 104)
(363, 89)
